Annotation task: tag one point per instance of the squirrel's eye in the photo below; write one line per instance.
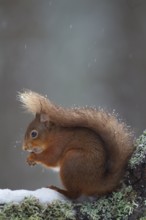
(34, 133)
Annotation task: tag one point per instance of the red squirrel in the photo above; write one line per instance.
(90, 146)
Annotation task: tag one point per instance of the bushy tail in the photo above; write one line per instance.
(115, 134)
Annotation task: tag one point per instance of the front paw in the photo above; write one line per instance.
(31, 159)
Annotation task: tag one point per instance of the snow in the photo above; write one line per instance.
(44, 195)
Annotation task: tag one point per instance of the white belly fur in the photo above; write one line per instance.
(56, 169)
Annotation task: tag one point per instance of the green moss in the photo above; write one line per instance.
(31, 209)
(140, 152)
(116, 206)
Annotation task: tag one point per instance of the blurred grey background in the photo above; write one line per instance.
(83, 52)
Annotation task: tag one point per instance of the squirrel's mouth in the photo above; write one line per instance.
(37, 150)
(32, 149)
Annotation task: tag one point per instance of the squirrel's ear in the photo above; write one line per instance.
(37, 116)
(44, 117)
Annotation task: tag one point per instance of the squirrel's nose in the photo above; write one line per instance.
(27, 147)
(24, 147)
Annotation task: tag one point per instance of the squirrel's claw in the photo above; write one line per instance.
(30, 160)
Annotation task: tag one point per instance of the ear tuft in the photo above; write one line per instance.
(44, 117)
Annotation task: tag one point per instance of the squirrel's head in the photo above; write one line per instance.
(37, 133)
